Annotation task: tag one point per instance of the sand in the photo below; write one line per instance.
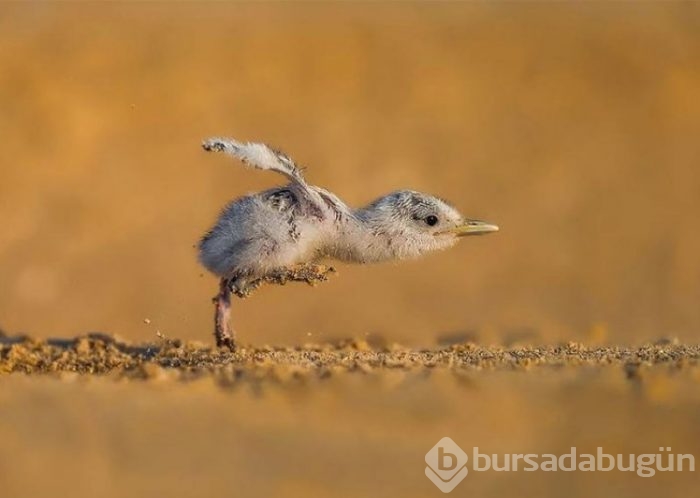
(100, 354)
(97, 416)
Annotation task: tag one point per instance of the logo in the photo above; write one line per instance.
(446, 465)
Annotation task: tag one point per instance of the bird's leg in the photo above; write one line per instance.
(222, 316)
(309, 273)
(242, 287)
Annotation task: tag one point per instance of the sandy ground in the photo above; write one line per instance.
(95, 415)
(103, 355)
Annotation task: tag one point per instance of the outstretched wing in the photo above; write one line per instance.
(257, 155)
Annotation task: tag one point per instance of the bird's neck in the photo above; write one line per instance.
(364, 237)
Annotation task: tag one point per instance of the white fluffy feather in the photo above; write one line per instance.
(256, 155)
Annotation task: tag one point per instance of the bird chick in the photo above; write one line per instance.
(271, 235)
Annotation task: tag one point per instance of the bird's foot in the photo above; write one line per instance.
(223, 333)
(311, 274)
(226, 342)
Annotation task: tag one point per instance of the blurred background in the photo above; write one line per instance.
(573, 127)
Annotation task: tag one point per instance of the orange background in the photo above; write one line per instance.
(574, 127)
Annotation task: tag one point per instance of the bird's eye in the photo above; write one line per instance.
(431, 220)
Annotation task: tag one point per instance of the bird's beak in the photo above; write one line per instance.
(473, 227)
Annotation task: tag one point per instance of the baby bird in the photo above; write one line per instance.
(283, 232)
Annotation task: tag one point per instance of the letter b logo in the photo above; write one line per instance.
(446, 465)
(442, 456)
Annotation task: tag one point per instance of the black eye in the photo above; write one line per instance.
(431, 220)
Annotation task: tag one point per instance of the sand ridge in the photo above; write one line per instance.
(101, 354)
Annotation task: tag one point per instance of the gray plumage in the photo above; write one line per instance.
(300, 224)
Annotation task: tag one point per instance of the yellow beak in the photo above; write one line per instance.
(473, 227)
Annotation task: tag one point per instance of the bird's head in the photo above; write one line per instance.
(415, 223)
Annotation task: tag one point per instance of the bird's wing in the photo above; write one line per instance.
(258, 156)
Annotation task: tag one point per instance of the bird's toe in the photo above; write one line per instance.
(226, 343)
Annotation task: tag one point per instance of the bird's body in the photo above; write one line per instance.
(264, 233)
(260, 232)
